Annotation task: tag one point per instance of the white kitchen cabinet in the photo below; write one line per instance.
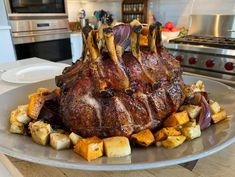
(7, 51)
(76, 46)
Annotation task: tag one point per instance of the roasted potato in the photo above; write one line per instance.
(21, 115)
(162, 134)
(191, 132)
(59, 141)
(89, 148)
(199, 86)
(215, 107)
(16, 126)
(74, 138)
(192, 110)
(143, 138)
(173, 141)
(36, 102)
(42, 90)
(217, 117)
(117, 146)
(191, 123)
(176, 119)
(40, 132)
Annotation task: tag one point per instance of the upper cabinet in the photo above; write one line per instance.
(136, 9)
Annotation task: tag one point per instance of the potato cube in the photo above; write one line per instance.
(143, 138)
(22, 114)
(176, 119)
(191, 132)
(199, 86)
(192, 110)
(89, 148)
(40, 132)
(217, 117)
(18, 129)
(59, 141)
(191, 123)
(117, 146)
(173, 141)
(36, 102)
(16, 126)
(74, 138)
(215, 107)
(165, 132)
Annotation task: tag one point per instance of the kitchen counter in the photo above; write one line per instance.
(217, 165)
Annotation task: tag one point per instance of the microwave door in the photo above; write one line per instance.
(37, 6)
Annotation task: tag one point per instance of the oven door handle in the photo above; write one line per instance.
(231, 30)
(32, 34)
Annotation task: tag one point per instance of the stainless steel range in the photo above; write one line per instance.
(209, 49)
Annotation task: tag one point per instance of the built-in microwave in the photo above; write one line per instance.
(23, 9)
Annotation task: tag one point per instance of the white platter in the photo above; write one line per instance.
(213, 139)
(33, 73)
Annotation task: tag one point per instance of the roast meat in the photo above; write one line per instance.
(119, 87)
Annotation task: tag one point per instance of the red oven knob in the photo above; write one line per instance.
(179, 58)
(192, 61)
(210, 63)
(229, 66)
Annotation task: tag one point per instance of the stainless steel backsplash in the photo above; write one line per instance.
(212, 25)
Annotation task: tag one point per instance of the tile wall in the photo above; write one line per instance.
(177, 11)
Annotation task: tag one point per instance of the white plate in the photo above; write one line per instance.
(33, 73)
(213, 139)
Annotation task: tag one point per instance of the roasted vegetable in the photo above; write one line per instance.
(42, 90)
(205, 114)
(176, 119)
(21, 114)
(162, 134)
(117, 146)
(191, 123)
(143, 138)
(89, 148)
(215, 107)
(173, 141)
(191, 132)
(16, 126)
(192, 110)
(40, 132)
(198, 86)
(217, 117)
(36, 102)
(74, 138)
(59, 141)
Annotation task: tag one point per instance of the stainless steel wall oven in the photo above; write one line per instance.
(40, 28)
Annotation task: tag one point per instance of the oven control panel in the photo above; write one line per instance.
(205, 61)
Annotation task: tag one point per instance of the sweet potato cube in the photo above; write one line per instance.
(143, 138)
(36, 102)
(42, 90)
(219, 116)
(176, 119)
(165, 132)
(173, 141)
(89, 148)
